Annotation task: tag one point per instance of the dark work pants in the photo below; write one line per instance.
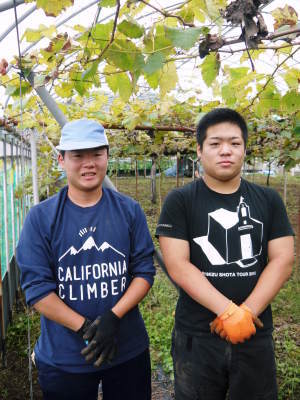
(210, 368)
(130, 380)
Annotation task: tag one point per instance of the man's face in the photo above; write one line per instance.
(85, 169)
(223, 151)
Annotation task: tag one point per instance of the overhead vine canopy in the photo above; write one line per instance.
(152, 67)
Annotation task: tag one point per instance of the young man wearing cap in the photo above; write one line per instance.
(85, 257)
(228, 245)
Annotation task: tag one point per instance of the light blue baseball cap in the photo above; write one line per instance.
(82, 134)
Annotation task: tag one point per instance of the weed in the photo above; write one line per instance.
(17, 332)
(158, 313)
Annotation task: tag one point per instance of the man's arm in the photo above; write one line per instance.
(176, 255)
(136, 291)
(52, 307)
(275, 274)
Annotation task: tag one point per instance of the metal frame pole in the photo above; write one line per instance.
(5, 201)
(12, 26)
(57, 26)
(6, 224)
(22, 180)
(7, 5)
(17, 183)
(12, 199)
(34, 167)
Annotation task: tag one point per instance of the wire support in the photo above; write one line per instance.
(21, 75)
(29, 354)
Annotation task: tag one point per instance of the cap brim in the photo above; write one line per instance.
(80, 146)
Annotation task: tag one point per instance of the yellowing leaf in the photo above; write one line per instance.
(107, 3)
(101, 33)
(14, 91)
(132, 8)
(33, 35)
(210, 105)
(238, 73)
(187, 13)
(214, 7)
(118, 82)
(48, 31)
(292, 77)
(210, 68)
(171, 22)
(64, 90)
(79, 28)
(253, 53)
(228, 95)
(153, 79)
(199, 8)
(158, 42)
(269, 100)
(53, 8)
(284, 16)
(168, 78)
(290, 102)
(131, 121)
(99, 101)
(131, 29)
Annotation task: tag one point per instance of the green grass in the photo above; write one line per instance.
(286, 314)
(158, 310)
(17, 335)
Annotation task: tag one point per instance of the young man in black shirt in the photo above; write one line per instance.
(228, 244)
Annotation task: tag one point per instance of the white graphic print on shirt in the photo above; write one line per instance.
(232, 237)
(100, 279)
(88, 245)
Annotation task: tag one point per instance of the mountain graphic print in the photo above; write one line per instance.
(88, 245)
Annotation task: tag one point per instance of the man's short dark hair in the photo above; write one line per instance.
(217, 116)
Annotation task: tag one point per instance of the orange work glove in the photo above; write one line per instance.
(235, 324)
(255, 319)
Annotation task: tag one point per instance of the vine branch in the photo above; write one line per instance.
(164, 128)
(166, 14)
(271, 36)
(260, 48)
(269, 79)
(113, 30)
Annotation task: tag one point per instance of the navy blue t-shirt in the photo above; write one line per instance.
(228, 235)
(88, 256)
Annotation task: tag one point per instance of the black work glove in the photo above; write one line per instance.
(102, 339)
(84, 327)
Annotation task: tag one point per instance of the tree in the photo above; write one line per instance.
(124, 71)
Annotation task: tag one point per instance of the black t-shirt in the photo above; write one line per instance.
(228, 236)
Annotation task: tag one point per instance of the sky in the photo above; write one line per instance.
(188, 73)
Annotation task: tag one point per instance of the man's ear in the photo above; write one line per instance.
(60, 160)
(199, 152)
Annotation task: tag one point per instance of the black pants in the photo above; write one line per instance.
(130, 380)
(209, 368)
